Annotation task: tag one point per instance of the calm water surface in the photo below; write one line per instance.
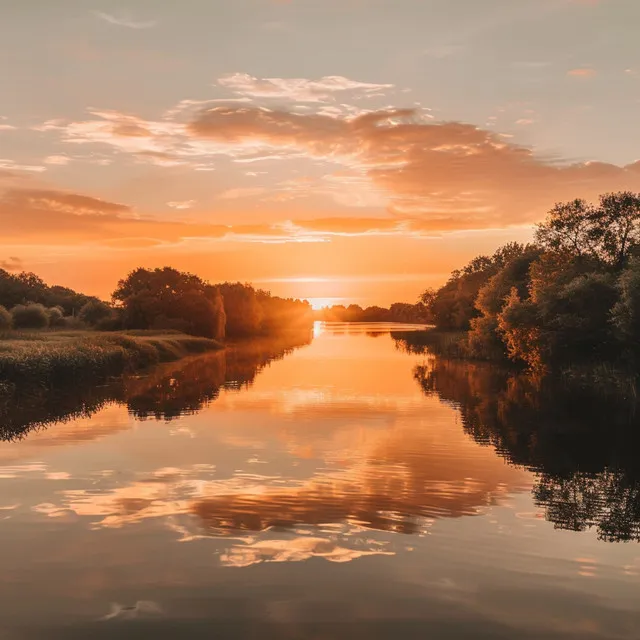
(344, 488)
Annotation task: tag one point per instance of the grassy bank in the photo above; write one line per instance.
(50, 358)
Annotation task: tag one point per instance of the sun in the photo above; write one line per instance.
(320, 303)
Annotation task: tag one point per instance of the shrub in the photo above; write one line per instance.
(73, 323)
(30, 316)
(5, 319)
(56, 317)
(95, 312)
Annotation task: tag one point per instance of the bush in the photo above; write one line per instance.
(30, 316)
(5, 319)
(95, 312)
(73, 323)
(56, 317)
(111, 323)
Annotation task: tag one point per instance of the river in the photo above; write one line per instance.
(341, 486)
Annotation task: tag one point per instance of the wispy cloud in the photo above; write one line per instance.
(59, 160)
(125, 21)
(184, 204)
(296, 89)
(449, 175)
(12, 263)
(582, 72)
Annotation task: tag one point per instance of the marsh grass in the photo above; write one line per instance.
(52, 359)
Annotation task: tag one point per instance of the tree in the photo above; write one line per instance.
(22, 288)
(453, 306)
(625, 314)
(485, 340)
(608, 233)
(148, 296)
(243, 310)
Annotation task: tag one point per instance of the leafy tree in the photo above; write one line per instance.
(608, 233)
(243, 310)
(453, 306)
(147, 296)
(518, 324)
(283, 314)
(625, 314)
(22, 288)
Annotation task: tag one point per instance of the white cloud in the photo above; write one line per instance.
(124, 21)
(184, 204)
(234, 194)
(61, 160)
(10, 164)
(296, 89)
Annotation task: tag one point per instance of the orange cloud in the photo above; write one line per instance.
(296, 89)
(49, 217)
(441, 175)
(446, 174)
(583, 72)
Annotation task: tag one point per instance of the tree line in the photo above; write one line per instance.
(398, 312)
(159, 299)
(571, 297)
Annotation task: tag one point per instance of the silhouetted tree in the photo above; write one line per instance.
(182, 300)
(626, 312)
(242, 308)
(607, 233)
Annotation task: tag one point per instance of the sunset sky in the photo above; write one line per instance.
(339, 150)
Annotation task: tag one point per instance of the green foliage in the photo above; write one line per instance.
(6, 321)
(484, 341)
(23, 288)
(397, 312)
(59, 358)
(56, 317)
(518, 325)
(625, 314)
(608, 233)
(244, 313)
(571, 300)
(283, 313)
(94, 312)
(454, 306)
(168, 298)
(30, 316)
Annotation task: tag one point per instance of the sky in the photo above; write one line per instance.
(336, 150)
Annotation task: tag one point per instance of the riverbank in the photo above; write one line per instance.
(604, 380)
(53, 358)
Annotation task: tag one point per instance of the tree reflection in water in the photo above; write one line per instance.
(164, 393)
(581, 444)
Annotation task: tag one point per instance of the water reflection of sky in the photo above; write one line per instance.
(330, 490)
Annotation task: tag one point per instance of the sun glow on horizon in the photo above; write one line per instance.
(321, 303)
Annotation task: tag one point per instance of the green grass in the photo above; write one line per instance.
(51, 359)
